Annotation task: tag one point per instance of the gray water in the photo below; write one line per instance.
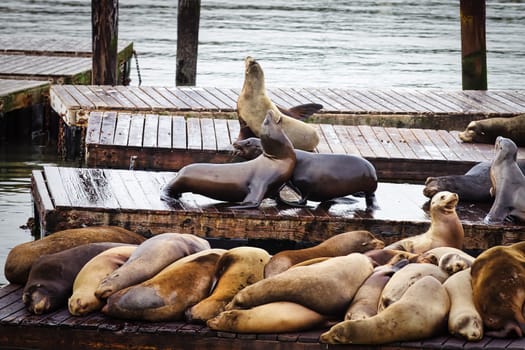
(355, 44)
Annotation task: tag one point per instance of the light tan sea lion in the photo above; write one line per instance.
(237, 268)
(463, 319)
(340, 244)
(445, 227)
(449, 259)
(326, 287)
(404, 278)
(276, 317)
(487, 130)
(83, 300)
(246, 183)
(253, 103)
(421, 313)
(167, 295)
(498, 286)
(149, 258)
(22, 256)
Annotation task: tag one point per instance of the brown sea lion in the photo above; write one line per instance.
(498, 286)
(390, 256)
(445, 227)
(463, 319)
(276, 317)
(421, 313)
(167, 295)
(149, 258)
(450, 259)
(341, 244)
(245, 182)
(51, 278)
(237, 268)
(322, 177)
(83, 300)
(508, 184)
(487, 130)
(22, 256)
(326, 287)
(253, 104)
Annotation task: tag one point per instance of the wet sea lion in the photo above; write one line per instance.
(326, 287)
(51, 278)
(149, 258)
(83, 300)
(245, 182)
(344, 243)
(498, 286)
(276, 317)
(323, 177)
(390, 256)
(253, 104)
(421, 313)
(463, 319)
(22, 256)
(445, 227)
(508, 184)
(487, 130)
(237, 268)
(167, 295)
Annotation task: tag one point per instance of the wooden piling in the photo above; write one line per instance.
(473, 45)
(104, 21)
(188, 17)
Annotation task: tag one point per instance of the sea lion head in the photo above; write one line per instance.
(474, 132)
(506, 149)
(445, 201)
(249, 148)
(274, 142)
(37, 299)
(253, 75)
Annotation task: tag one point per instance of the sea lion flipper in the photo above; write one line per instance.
(301, 112)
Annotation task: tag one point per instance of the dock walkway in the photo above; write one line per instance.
(18, 94)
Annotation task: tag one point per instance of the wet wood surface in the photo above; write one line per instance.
(16, 94)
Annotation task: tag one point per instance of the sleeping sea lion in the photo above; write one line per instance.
(487, 130)
(245, 182)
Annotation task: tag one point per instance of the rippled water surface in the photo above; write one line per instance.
(361, 44)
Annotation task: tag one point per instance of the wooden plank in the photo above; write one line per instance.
(174, 100)
(371, 103)
(122, 129)
(360, 142)
(194, 134)
(180, 139)
(93, 131)
(80, 100)
(222, 135)
(432, 150)
(122, 193)
(323, 146)
(353, 104)
(162, 101)
(435, 138)
(151, 189)
(346, 140)
(456, 146)
(209, 141)
(196, 95)
(56, 188)
(400, 142)
(392, 104)
(418, 149)
(234, 128)
(165, 133)
(136, 130)
(210, 97)
(179, 94)
(332, 138)
(137, 102)
(389, 145)
(151, 127)
(109, 121)
(372, 141)
(225, 96)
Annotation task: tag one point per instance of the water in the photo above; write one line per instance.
(356, 44)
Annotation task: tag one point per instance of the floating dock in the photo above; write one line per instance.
(18, 94)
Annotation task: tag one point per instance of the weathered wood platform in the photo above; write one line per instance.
(17, 94)
(167, 142)
(421, 108)
(59, 330)
(72, 197)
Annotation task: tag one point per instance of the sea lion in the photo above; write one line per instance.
(404, 278)
(365, 302)
(421, 313)
(463, 319)
(167, 295)
(322, 177)
(245, 182)
(237, 268)
(149, 258)
(498, 287)
(390, 256)
(326, 287)
(508, 184)
(253, 104)
(276, 317)
(83, 300)
(51, 278)
(450, 259)
(22, 256)
(487, 130)
(344, 243)
(445, 227)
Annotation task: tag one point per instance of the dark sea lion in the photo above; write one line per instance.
(253, 104)
(51, 278)
(22, 256)
(245, 182)
(322, 177)
(498, 287)
(149, 258)
(344, 243)
(508, 184)
(445, 228)
(421, 313)
(473, 186)
(487, 130)
(390, 256)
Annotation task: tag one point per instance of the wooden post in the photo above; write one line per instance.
(188, 17)
(473, 46)
(104, 22)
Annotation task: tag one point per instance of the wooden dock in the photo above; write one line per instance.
(17, 94)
